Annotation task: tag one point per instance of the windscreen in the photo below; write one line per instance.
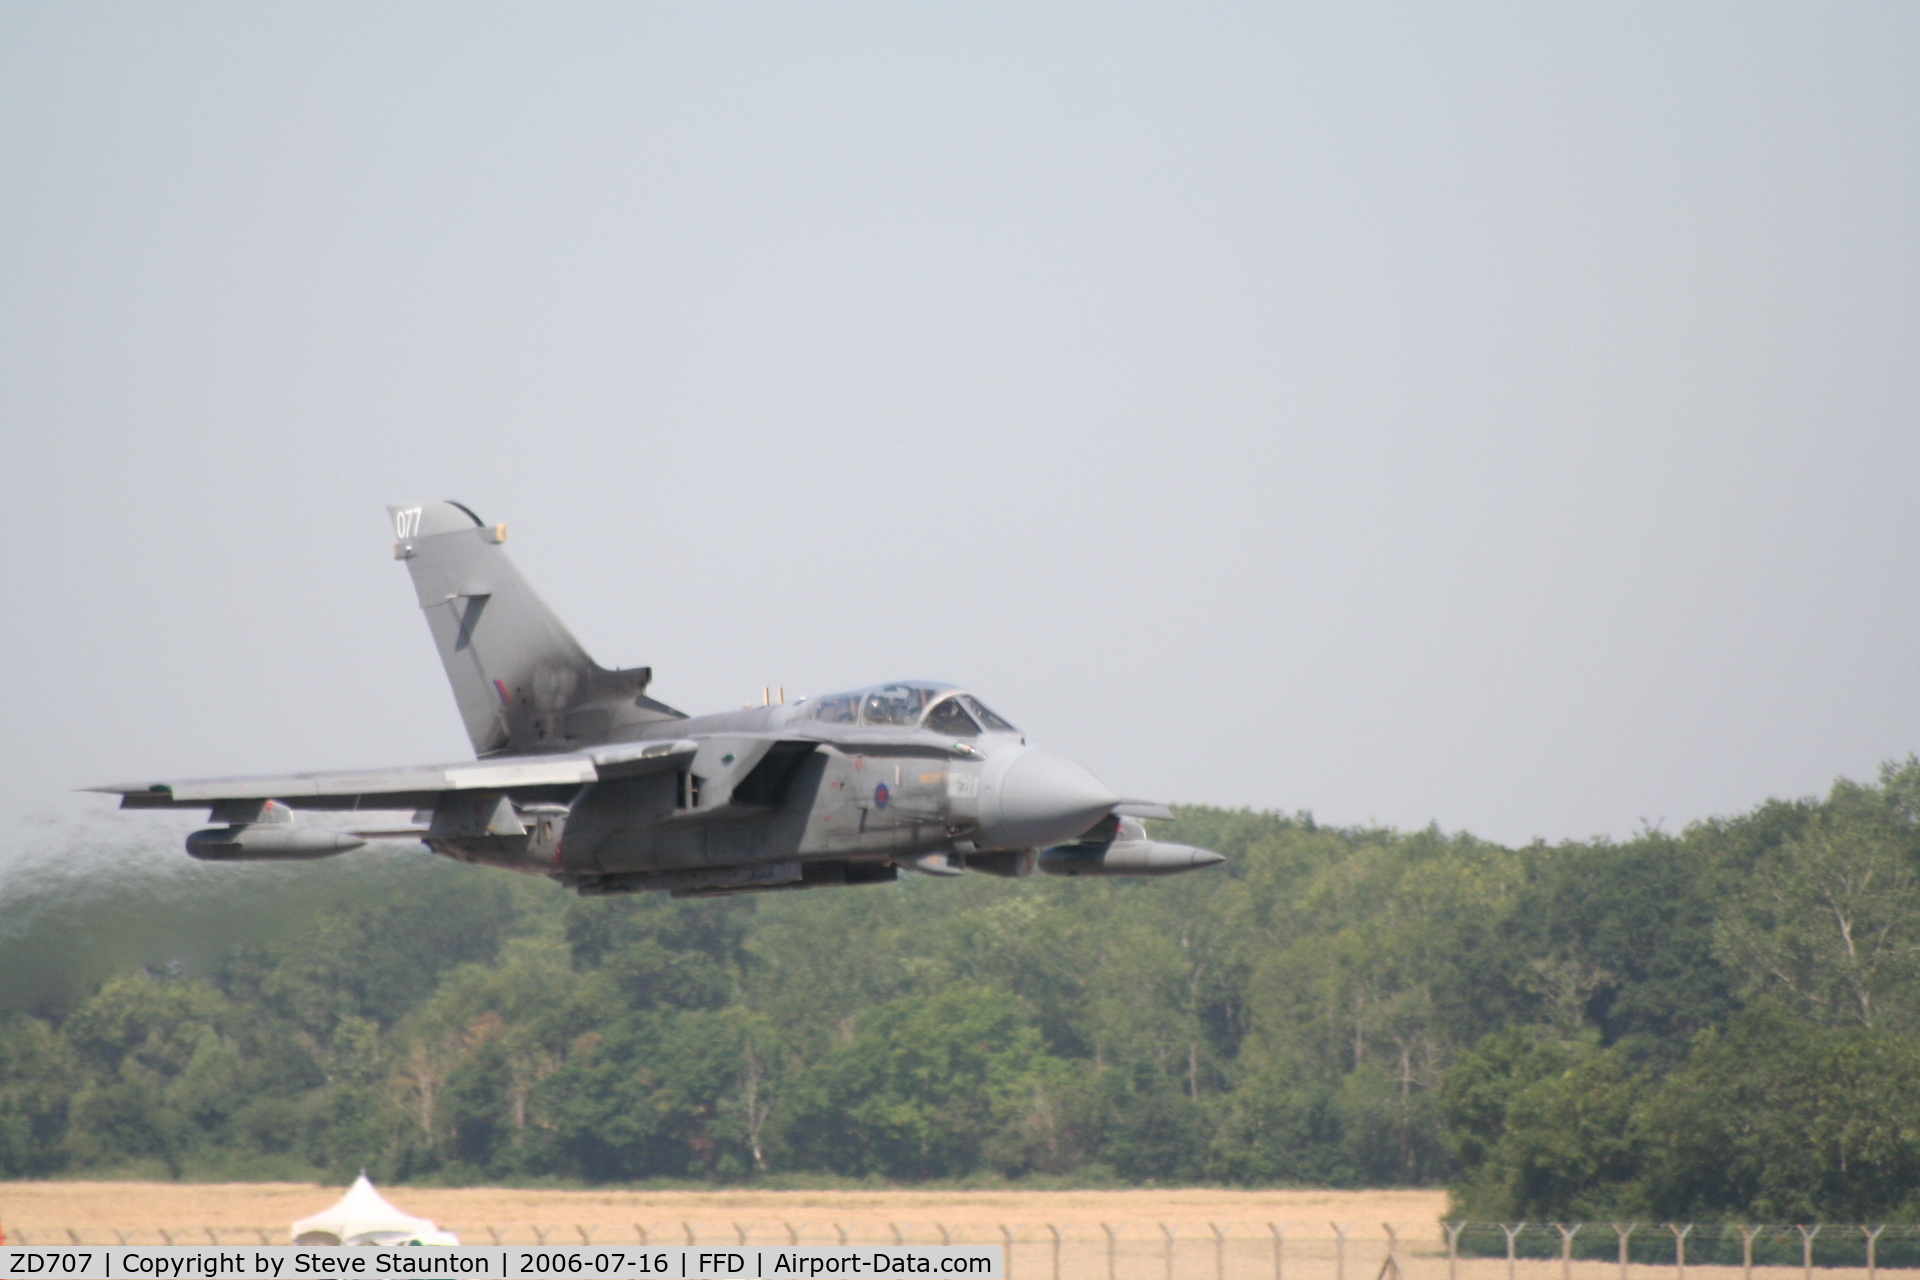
(987, 717)
(950, 719)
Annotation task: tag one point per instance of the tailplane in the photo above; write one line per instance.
(523, 683)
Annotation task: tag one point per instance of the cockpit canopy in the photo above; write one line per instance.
(938, 708)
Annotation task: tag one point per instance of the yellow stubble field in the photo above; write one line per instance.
(719, 1216)
(1133, 1234)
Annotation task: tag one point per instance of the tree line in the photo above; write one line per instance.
(1718, 1024)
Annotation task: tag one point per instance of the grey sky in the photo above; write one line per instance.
(1495, 415)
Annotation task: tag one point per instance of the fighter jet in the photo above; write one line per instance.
(582, 777)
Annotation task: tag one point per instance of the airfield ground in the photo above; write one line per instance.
(241, 1213)
(715, 1216)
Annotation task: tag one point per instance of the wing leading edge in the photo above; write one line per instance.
(418, 786)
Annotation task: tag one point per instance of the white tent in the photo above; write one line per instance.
(362, 1212)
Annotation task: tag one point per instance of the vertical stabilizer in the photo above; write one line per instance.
(522, 682)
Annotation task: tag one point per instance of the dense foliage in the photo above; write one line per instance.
(1719, 1023)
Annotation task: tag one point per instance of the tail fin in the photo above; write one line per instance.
(523, 683)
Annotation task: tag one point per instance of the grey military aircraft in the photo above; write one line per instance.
(582, 777)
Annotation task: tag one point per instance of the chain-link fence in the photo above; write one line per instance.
(1630, 1245)
(1136, 1250)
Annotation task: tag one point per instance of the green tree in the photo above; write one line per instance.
(1778, 1119)
(1618, 937)
(161, 1070)
(662, 953)
(1359, 1002)
(471, 1057)
(37, 1075)
(921, 1090)
(379, 958)
(1829, 919)
(1480, 1087)
(644, 1100)
(1568, 1148)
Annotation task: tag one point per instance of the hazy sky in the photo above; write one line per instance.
(1495, 415)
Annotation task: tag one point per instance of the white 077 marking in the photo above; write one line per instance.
(406, 522)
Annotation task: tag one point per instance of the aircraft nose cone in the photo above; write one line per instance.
(1207, 858)
(1044, 799)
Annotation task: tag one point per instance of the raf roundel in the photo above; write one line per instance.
(881, 796)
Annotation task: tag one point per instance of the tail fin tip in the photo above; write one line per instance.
(522, 682)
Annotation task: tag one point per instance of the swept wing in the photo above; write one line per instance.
(412, 787)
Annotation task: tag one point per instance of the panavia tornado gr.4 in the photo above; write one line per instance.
(582, 777)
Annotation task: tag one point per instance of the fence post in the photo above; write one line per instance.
(1056, 1250)
(1566, 1247)
(1806, 1247)
(1873, 1238)
(1112, 1245)
(1006, 1257)
(685, 1226)
(638, 1230)
(1453, 1248)
(793, 1234)
(1625, 1233)
(842, 1231)
(1680, 1249)
(1219, 1253)
(586, 1236)
(740, 1231)
(946, 1232)
(1279, 1234)
(1747, 1233)
(1339, 1253)
(1511, 1231)
(1392, 1264)
(897, 1237)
